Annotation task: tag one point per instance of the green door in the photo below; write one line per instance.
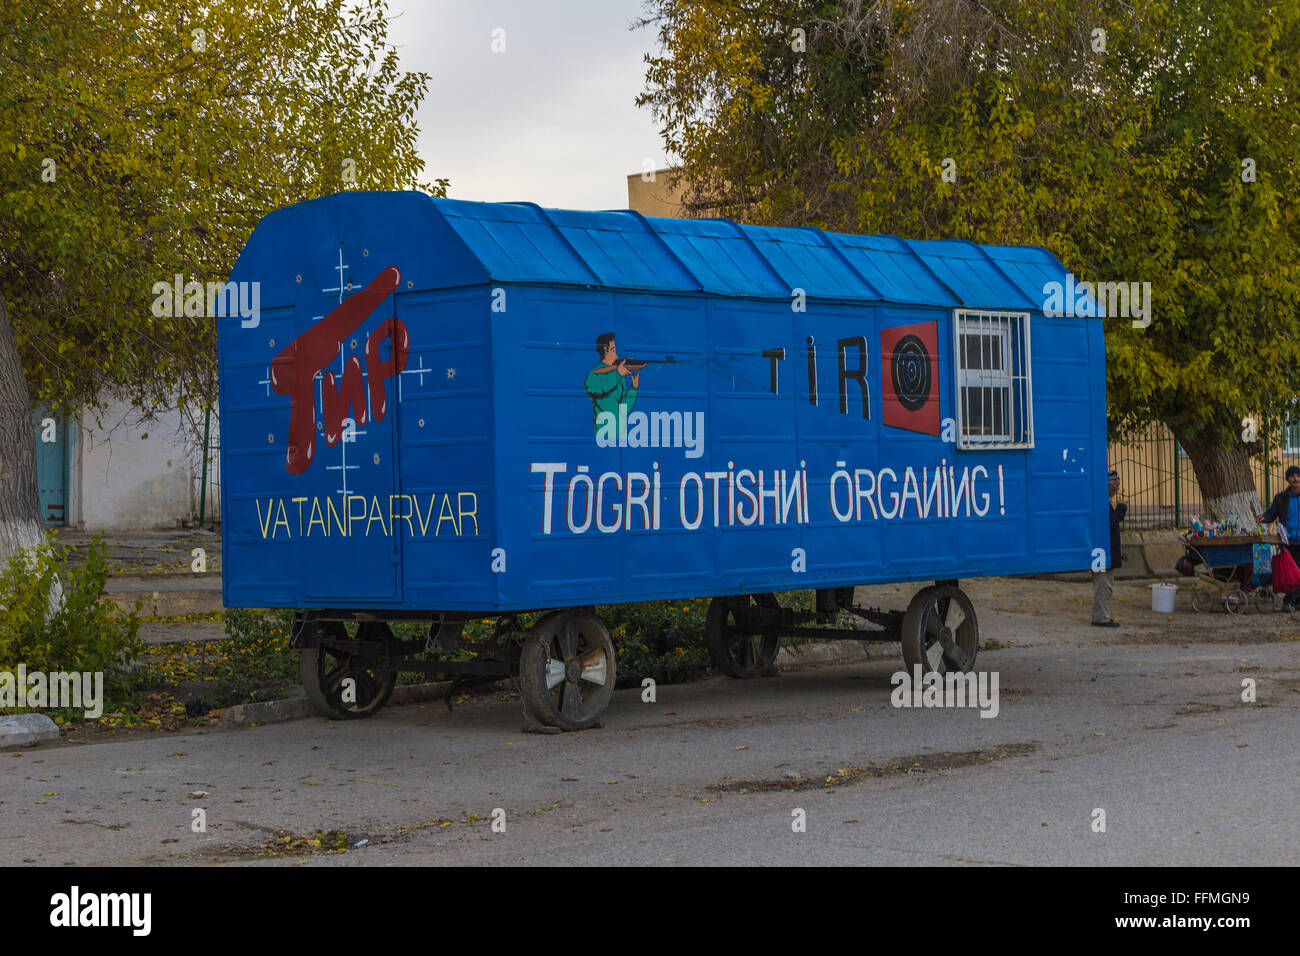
(51, 467)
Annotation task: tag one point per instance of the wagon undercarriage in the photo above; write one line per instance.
(565, 663)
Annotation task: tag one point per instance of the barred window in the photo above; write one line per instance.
(994, 394)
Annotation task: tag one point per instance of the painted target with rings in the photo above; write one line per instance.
(910, 372)
(909, 377)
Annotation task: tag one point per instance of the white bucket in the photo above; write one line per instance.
(1162, 597)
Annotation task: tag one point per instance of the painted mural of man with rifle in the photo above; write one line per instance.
(614, 381)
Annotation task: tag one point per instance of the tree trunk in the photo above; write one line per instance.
(1224, 475)
(20, 505)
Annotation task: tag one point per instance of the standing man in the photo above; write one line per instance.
(1286, 509)
(1103, 582)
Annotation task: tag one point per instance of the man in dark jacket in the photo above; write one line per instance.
(1286, 510)
(1103, 582)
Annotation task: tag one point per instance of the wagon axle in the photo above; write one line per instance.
(565, 664)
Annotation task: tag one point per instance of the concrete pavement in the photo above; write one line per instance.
(1145, 724)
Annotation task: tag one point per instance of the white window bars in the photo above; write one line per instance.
(995, 406)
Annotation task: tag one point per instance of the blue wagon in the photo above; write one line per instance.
(446, 410)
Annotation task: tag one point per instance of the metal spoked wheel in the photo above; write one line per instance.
(1235, 601)
(1204, 599)
(940, 630)
(1263, 600)
(341, 685)
(734, 651)
(566, 670)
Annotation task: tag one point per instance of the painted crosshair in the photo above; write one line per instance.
(350, 431)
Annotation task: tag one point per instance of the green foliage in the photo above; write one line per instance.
(756, 110)
(256, 653)
(659, 639)
(1126, 162)
(145, 139)
(665, 639)
(83, 633)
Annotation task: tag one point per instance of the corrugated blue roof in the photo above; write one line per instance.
(614, 246)
(721, 257)
(895, 269)
(806, 259)
(516, 242)
(1030, 268)
(464, 243)
(967, 270)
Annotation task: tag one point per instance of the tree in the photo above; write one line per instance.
(1115, 134)
(1216, 224)
(144, 140)
(757, 96)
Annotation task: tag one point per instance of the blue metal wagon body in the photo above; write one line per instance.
(456, 459)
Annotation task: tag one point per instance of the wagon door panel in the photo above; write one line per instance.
(920, 537)
(309, 441)
(444, 509)
(348, 553)
(661, 556)
(544, 348)
(751, 436)
(261, 563)
(1062, 495)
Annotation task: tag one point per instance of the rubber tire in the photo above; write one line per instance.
(535, 708)
(539, 649)
(912, 640)
(720, 654)
(1235, 601)
(1203, 600)
(310, 663)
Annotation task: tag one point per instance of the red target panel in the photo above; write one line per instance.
(910, 377)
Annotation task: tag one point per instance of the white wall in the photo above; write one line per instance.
(135, 472)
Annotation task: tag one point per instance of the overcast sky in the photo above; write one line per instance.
(553, 119)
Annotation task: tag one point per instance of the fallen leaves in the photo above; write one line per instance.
(318, 841)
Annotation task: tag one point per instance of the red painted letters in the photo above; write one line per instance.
(293, 371)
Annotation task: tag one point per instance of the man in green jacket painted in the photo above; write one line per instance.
(611, 383)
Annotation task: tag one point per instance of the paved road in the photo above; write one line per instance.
(1150, 729)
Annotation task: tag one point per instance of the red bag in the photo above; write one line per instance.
(1286, 576)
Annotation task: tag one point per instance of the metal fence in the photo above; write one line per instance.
(1160, 487)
